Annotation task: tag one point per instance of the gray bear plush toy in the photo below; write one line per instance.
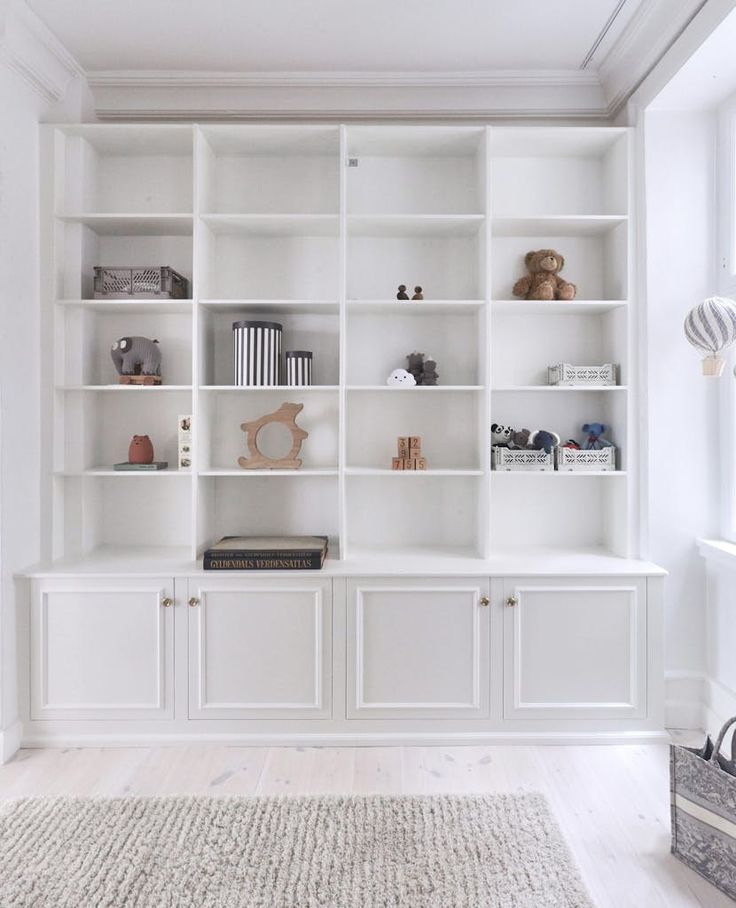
(136, 356)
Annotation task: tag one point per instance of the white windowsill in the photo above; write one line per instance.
(718, 550)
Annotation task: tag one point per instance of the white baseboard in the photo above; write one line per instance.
(365, 739)
(10, 741)
(684, 699)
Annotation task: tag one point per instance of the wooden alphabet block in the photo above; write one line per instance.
(397, 463)
(403, 446)
(421, 463)
(415, 445)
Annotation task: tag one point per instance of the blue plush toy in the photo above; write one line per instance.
(542, 440)
(595, 440)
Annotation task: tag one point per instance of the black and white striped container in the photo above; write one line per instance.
(257, 353)
(298, 367)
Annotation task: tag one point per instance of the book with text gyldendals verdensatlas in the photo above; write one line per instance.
(266, 553)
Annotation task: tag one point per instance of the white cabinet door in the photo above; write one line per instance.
(574, 648)
(260, 647)
(418, 648)
(102, 649)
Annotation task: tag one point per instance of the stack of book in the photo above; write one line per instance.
(266, 553)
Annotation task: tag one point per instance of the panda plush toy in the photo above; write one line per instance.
(501, 435)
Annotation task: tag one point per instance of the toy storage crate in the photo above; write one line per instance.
(572, 460)
(508, 459)
(566, 374)
(139, 282)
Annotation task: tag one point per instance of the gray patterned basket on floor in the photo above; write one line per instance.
(703, 798)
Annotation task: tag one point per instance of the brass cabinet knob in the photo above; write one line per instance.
(512, 601)
(193, 601)
(167, 602)
(484, 600)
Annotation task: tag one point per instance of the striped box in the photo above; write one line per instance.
(257, 353)
(298, 367)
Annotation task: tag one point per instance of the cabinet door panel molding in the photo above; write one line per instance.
(102, 650)
(258, 649)
(575, 650)
(400, 650)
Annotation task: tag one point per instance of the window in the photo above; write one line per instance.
(726, 269)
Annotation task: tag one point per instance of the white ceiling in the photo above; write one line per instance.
(334, 35)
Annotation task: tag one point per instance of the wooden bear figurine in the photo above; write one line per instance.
(429, 371)
(415, 364)
(140, 449)
(418, 294)
(402, 294)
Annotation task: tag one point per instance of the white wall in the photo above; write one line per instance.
(19, 362)
(680, 153)
(719, 684)
(38, 80)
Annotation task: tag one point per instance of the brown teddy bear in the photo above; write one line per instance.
(543, 282)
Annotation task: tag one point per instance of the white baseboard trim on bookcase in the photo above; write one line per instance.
(684, 699)
(719, 704)
(367, 739)
(10, 741)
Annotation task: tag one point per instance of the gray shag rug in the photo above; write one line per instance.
(441, 851)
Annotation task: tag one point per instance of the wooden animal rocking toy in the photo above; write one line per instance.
(285, 415)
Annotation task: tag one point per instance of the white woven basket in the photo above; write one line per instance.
(508, 459)
(572, 460)
(566, 374)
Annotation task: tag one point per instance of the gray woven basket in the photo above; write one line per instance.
(115, 282)
(703, 798)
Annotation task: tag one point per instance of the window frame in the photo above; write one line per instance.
(725, 206)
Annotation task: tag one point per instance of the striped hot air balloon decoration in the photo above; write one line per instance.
(710, 328)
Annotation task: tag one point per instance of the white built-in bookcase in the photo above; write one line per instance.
(314, 227)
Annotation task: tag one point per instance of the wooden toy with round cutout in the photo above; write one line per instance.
(285, 415)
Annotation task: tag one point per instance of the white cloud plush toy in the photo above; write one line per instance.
(402, 378)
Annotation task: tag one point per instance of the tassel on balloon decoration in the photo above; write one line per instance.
(711, 328)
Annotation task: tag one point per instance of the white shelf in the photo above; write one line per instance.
(555, 307)
(557, 389)
(414, 307)
(132, 139)
(107, 471)
(302, 471)
(387, 471)
(130, 307)
(557, 225)
(576, 473)
(513, 561)
(274, 224)
(415, 141)
(126, 389)
(392, 225)
(415, 389)
(240, 389)
(277, 307)
(268, 222)
(133, 224)
(554, 141)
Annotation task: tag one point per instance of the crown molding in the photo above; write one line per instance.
(31, 50)
(649, 34)
(176, 95)
(350, 115)
(580, 94)
(502, 78)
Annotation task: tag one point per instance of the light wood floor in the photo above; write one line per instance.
(611, 802)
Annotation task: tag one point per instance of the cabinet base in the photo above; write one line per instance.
(343, 739)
